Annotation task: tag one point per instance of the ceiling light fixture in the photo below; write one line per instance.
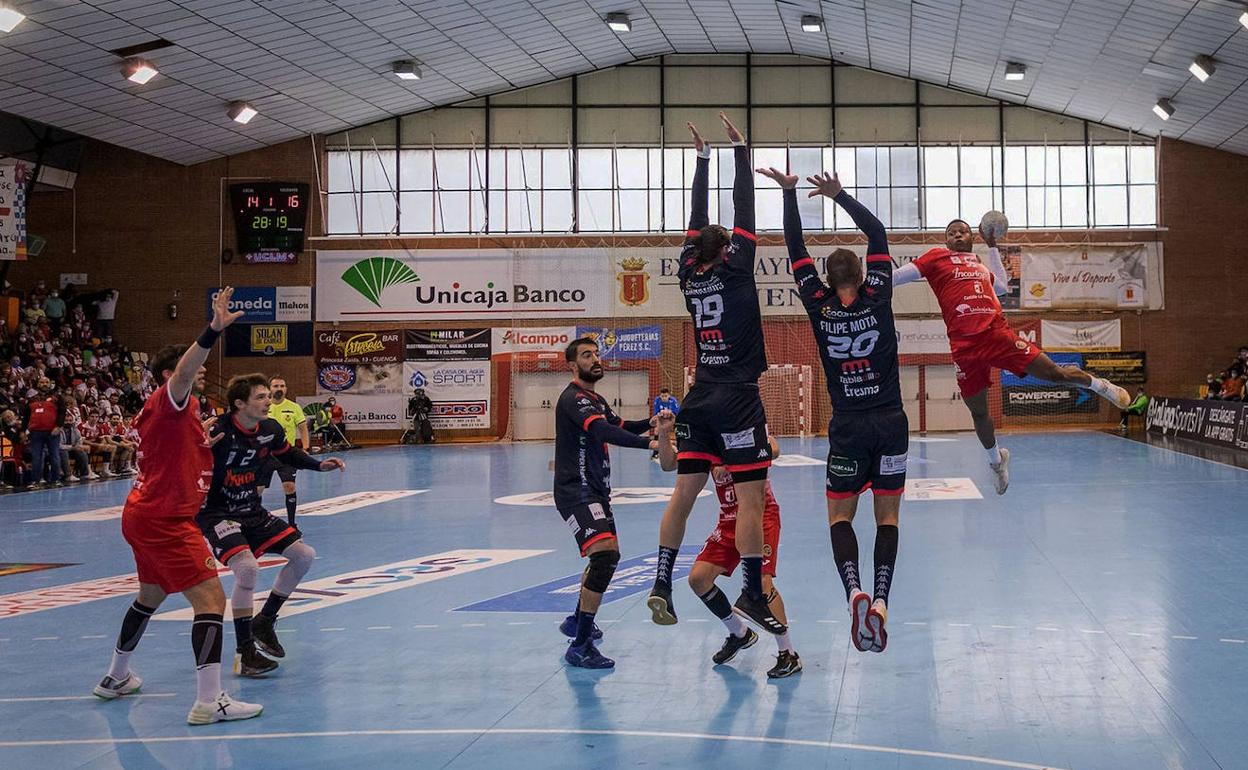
(1202, 68)
(619, 21)
(1015, 71)
(1243, 19)
(10, 17)
(406, 70)
(1163, 108)
(241, 112)
(812, 23)
(138, 70)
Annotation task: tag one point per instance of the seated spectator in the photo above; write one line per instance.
(1138, 407)
(1233, 385)
(1212, 387)
(117, 427)
(11, 440)
(75, 455)
(99, 442)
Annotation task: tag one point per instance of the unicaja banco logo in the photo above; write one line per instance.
(370, 277)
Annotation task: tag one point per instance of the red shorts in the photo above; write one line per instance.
(170, 553)
(721, 548)
(997, 347)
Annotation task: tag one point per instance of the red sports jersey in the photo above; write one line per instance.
(90, 432)
(727, 492)
(963, 287)
(175, 462)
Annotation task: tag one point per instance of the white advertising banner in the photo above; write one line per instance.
(13, 209)
(368, 411)
(459, 390)
(925, 336)
(506, 340)
(443, 284)
(1097, 277)
(1081, 335)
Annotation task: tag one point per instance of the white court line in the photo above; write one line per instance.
(1005, 626)
(1047, 628)
(93, 636)
(472, 625)
(1183, 637)
(379, 628)
(56, 698)
(45, 639)
(826, 621)
(336, 628)
(960, 625)
(424, 626)
(1232, 641)
(542, 731)
(914, 623)
(1089, 631)
(1136, 633)
(529, 623)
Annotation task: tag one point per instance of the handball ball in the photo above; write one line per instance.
(995, 224)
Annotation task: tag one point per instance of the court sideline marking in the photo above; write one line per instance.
(543, 731)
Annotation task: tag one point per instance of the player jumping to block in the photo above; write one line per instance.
(980, 337)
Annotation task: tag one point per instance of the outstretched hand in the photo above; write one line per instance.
(333, 463)
(990, 240)
(209, 439)
(734, 134)
(825, 185)
(664, 421)
(698, 141)
(222, 316)
(787, 181)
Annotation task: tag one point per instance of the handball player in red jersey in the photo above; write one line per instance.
(158, 521)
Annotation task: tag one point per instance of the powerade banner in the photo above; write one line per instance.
(267, 304)
(1031, 396)
(244, 340)
(625, 344)
(447, 344)
(1224, 423)
(459, 390)
(632, 577)
(1124, 368)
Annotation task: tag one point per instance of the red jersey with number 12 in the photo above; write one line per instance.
(963, 287)
(175, 462)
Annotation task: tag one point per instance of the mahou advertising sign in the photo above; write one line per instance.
(343, 346)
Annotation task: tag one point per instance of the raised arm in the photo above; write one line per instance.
(742, 184)
(196, 355)
(879, 263)
(809, 285)
(698, 218)
(1000, 279)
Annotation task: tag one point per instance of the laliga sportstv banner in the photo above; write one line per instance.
(363, 371)
(1224, 423)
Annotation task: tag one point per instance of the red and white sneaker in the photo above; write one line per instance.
(859, 610)
(877, 617)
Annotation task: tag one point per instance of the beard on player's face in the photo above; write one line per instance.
(591, 374)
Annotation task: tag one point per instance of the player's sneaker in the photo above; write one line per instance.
(223, 709)
(568, 629)
(92, 476)
(859, 606)
(266, 637)
(110, 688)
(733, 645)
(72, 479)
(1114, 394)
(877, 617)
(587, 656)
(787, 664)
(251, 663)
(1002, 472)
(758, 612)
(662, 611)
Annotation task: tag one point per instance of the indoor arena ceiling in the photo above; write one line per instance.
(312, 66)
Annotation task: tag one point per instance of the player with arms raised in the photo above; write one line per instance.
(980, 337)
(722, 420)
(868, 436)
(158, 521)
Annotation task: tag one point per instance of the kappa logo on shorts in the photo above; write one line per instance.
(842, 466)
(740, 440)
(682, 430)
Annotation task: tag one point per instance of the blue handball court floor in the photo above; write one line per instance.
(1094, 617)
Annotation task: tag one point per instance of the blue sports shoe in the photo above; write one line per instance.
(587, 656)
(568, 628)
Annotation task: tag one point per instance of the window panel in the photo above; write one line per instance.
(417, 212)
(844, 166)
(675, 218)
(1053, 206)
(1074, 206)
(1143, 205)
(975, 202)
(768, 157)
(378, 172)
(416, 170)
(655, 197)
(556, 170)
(905, 208)
(632, 214)
(769, 209)
(977, 166)
(344, 172)
(864, 162)
(1109, 165)
(524, 213)
(452, 170)
(940, 166)
(1111, 205)
(1016, 206)
(344, 214)
(673, 169)
(595, 210)
(942, 206)
(452, 212)
(1074, 165)
(594, 172)
(805, 161)
(378, 212)
(631, 167)
(1016, 165)
(1143, 165)
(905, 166)
(811, 211)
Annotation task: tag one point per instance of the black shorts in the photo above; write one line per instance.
(284, 472)
(262, 534)
(867, 450)
(589, 522)
(725, 424)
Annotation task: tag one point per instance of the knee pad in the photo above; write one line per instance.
(300, 554)
(756, 474)
(600, 570)
(246, 569)
(692, 466)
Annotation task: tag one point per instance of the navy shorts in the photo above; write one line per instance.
(867, 450)
(725, 424)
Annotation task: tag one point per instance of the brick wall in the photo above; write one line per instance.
(154, 229)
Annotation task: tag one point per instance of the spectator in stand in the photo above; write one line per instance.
(55, 310)
(125, 447)
(12, 438)
(1233, 384)
(34, 312)
(99, 442)
(75, 455)
(40, 292)
(45, 416)
(338, 419)
(106, 312)
(1212, 387)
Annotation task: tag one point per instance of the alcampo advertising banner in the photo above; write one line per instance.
(459, 390)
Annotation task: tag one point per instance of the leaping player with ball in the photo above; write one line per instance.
(979, 336)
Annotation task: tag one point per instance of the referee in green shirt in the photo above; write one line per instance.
(290, 416)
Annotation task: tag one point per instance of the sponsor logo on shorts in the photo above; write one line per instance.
(384, 578)
(766, 550)
(1020, 344)
(842, 466)
(226, 528)
(740, 440)
(891, 465)
(595, 510)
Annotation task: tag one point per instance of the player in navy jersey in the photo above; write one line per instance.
(722, 420)
(584, 426)
(868, 439)
(237, 526)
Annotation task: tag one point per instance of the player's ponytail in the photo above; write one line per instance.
(710, 241)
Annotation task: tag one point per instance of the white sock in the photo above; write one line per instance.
(734, 625)
(1097, 385)
(208, 682)
(785, 643)
(994, 455)
(120, 667)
